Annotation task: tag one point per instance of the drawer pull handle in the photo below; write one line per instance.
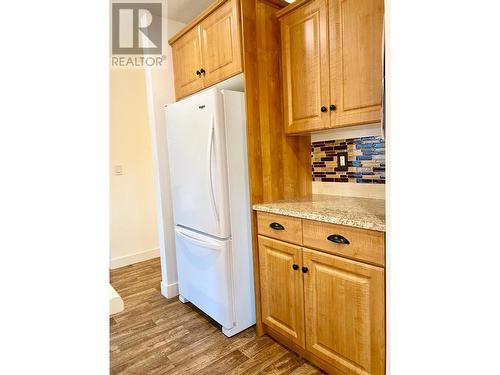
(276, 226)
(295, 267)
(305, 269)
(337, 238)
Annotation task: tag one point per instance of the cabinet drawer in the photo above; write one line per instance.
(285, 228)
(361, 244)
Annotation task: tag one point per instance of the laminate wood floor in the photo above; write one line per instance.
(155, 335)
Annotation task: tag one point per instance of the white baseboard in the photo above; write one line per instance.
(169, 291)
(134, 258)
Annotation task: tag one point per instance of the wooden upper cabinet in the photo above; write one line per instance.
(186, 53)
(281, 288)
(356, 65)
(331, 58)
(305, 67)
(208, 50)
(344, 309)
(220, 44)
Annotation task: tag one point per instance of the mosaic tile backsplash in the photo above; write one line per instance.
(366, 160)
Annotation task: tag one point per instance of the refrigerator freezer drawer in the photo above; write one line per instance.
(205, 279)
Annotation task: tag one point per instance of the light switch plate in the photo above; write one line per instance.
(342, 159)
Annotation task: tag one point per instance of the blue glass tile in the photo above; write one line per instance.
(365, 145)
(368, 157)
(372, 152)
(363, 181)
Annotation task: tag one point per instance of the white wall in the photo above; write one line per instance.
(160, 91)
(133, 229)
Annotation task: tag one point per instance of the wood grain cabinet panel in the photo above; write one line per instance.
(356, 60)
(364, 245)
(331, 58)
(327, 307)
(305, 66)
(281, 288)
(220, 44)
(344, 309)
(281, 227)
(186, 53)
(208, 50)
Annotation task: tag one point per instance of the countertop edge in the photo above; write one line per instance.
(322, 218)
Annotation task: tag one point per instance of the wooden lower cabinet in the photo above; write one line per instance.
(344, 312)
(282, 288)
(327, 308)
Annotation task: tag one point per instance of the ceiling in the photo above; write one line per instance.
(185, 10)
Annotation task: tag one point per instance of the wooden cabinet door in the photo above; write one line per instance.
(305, 67)
(344, 307)
(220, 44)
(282, 288)
(186, 53)
(356, 60)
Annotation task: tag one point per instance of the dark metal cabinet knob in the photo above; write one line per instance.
(305, 269)
(276, 226)
(332, 107)
(202, 71)
(198, 73)
(295, 267)
(323, 109)
(337, 238)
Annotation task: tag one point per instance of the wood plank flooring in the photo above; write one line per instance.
(154, 335)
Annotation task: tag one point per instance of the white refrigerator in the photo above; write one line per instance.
(207, 151)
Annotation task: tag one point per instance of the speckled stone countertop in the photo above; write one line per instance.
(355, 212)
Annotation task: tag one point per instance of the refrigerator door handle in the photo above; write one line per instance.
(203, 243)
(209, 168)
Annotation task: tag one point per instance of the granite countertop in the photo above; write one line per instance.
(362, 213)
